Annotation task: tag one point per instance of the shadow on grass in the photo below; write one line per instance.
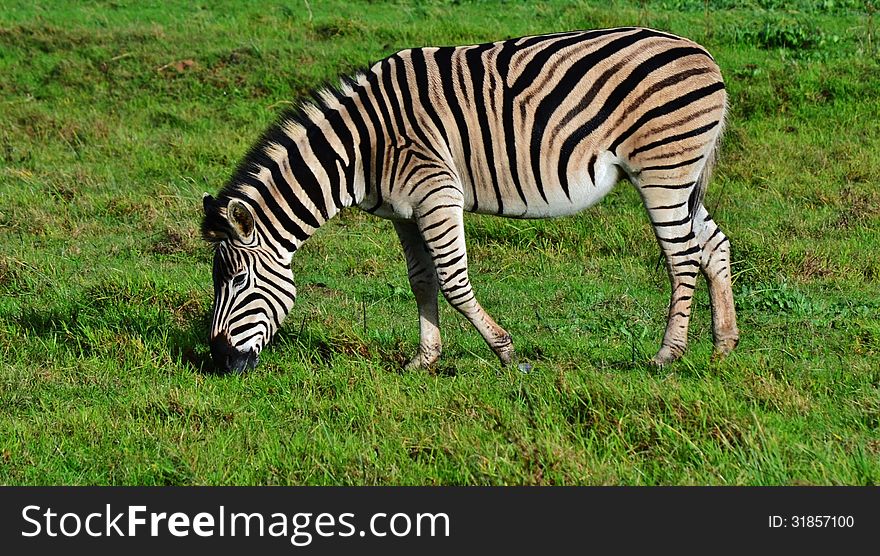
(323, 347)
(120, 331)
(96, 332)
(196, 360)
(189, 345)
(315, 346)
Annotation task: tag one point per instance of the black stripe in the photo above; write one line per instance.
(436, 190)
(662, 186)
(681, 239)
(241, 303)
(327, 158)
(538, 63)
(673, 154)
(249, 313)
(355, 117)
(280, 215)
(669, 107)
(668, 207)
(407, 101)
(379, 131)
(659, 86)
(477, 69)
(689, 251)
(443, 59)
(428, 178)
(287, 195)
(673, 166)
(616, 98)
(447, 244)
(684, 220)
(435, 209)
(420, 70)
(673, 138)
(502, 62)
(411, 173)
(574, 77)
(248, 338)
(429, 240)
(244, 328)
(399, 129)
(434, 225)
(456, 299)
(694, 198)
(449, 263)
(447, 281)
(267, 293)
(346, 138)
(715, 233)
(278, 286)
(306, 180)
(463, 301)
(527, 42)
(391, 114)
(591, 169)
(590, 95)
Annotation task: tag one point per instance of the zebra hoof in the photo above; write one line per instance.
(723, 348)
(422, 360)
(506, 354)
(417, 363)
(665, 356)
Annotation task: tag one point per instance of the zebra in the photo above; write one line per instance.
(533, 127)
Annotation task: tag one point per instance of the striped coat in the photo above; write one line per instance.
(533, 127)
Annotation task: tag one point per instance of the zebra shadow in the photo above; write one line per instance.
(95, 330)
(316, 346)
(189, 346)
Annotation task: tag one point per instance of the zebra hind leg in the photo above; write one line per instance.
(667, 202)
(715, 264)
(442, 228)
(423, 281)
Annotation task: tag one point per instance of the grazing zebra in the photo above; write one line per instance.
(535, 127)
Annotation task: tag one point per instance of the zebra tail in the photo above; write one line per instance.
(706, 174)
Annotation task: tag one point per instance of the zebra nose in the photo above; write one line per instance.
(227, 357)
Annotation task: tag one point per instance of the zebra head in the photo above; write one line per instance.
(253, 286)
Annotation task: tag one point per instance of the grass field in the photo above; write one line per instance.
(116, 116)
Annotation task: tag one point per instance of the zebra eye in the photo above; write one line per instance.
(238, 281)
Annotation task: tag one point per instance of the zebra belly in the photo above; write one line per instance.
(583, 193)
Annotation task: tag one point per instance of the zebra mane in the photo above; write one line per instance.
(214, 225)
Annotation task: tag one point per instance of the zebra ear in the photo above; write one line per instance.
(208, 202)
(214, 225)
(241, 220)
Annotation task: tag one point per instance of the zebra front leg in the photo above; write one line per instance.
(423, 281)
(715, 264)
(442, 228)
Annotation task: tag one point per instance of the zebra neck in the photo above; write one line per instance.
(306, 174)
(308, 167)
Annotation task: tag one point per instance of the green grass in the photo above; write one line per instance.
(116, 116)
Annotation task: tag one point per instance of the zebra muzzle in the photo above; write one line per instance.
(230, 359)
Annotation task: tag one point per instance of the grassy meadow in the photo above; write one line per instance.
(115, 116)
